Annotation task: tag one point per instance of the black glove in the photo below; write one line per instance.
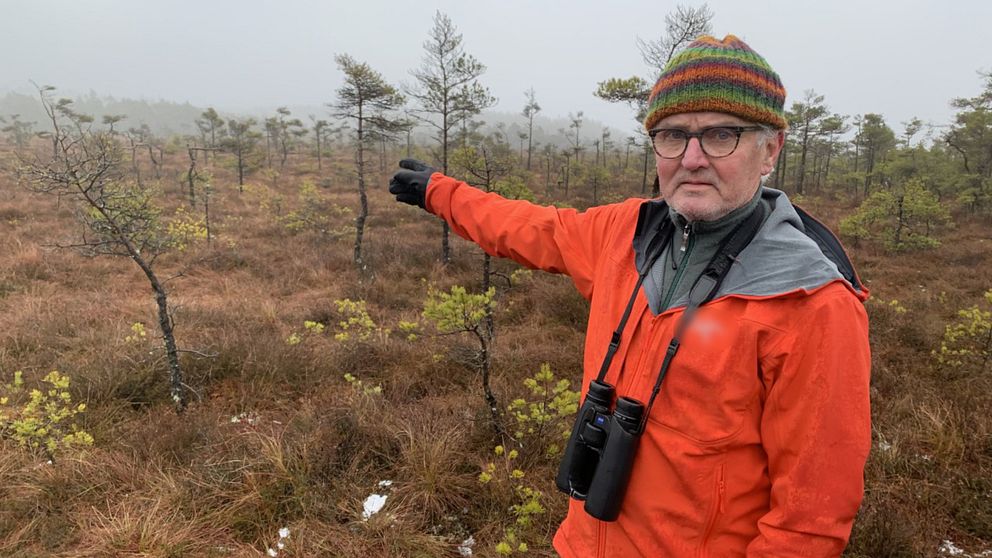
(410, 185)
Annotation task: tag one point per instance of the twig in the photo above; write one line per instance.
(199, 354)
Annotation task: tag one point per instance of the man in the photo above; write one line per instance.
(757, 440)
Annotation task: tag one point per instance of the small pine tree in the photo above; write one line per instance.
(506, 481)
(367, 101)
(461, 312)
(902, 218)
(120, 218)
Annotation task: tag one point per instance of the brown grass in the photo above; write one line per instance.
(157, 484)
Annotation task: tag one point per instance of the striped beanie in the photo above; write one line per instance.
(718, 76)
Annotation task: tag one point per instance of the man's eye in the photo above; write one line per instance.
(673, 135)
(720, 134)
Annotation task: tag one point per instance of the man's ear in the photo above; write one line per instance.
(771, 151)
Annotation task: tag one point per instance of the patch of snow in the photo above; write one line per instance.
(948, 548)
(465, 549)
(246, 417)
(385, 484)
(372, 505)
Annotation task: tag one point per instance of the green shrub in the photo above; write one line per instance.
(544, 417)
(903, 218)
(41, 420)
(502, 475)
(356, 322)
(967, 342)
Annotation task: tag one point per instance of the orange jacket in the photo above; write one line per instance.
(757, 442)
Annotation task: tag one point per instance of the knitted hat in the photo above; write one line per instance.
(718, 76)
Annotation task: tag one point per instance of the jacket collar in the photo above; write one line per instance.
(657, 219)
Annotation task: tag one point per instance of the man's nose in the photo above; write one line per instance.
(694, 158)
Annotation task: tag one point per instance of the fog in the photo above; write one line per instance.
(899, 58)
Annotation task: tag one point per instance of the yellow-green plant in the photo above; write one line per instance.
(268, 200)
(314, 213)
(893, 304)
(521, 275)
(514, 188)
(185, 229)
(409, 328)
(138, 333)
(502, 474)
(309, 328)
(356, 322)
(544, 417)
(42, 420)
(967, 342)
(361, 387)
(459, 311)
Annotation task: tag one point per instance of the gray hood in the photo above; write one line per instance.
(791, 251)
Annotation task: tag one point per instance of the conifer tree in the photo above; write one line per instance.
(20, 132)
(875, 139)
(366, 100)
(530, 111)
(971, 138)
(119, 218)
(806, 121)
(241, 141)
(448, 92)
(681, 27)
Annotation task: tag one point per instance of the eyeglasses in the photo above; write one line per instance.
(716, 142)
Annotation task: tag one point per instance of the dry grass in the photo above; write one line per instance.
(157, 484)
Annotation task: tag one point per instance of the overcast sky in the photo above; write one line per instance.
(902, 58)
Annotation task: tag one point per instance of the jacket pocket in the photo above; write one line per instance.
(716, 511)
(712, 384)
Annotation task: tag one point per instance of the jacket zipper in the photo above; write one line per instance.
(720, 493)
(601, 551)
(686, 249)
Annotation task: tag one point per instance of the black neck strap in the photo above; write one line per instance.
(703, 290)
(668, 229)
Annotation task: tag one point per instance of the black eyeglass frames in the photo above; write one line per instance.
(715, 141)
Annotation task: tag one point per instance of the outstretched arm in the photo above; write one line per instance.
(555, 240)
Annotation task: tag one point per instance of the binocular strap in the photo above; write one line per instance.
(703, 290)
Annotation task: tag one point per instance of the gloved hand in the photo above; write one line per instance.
(410, 185)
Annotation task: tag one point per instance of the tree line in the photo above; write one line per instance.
(903, 188)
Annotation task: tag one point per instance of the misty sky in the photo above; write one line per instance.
(902, 58)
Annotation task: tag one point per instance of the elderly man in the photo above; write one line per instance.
(726, 338)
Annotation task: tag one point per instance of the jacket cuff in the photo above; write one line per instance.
(427, 192)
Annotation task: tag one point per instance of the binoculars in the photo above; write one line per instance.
(598, 459)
